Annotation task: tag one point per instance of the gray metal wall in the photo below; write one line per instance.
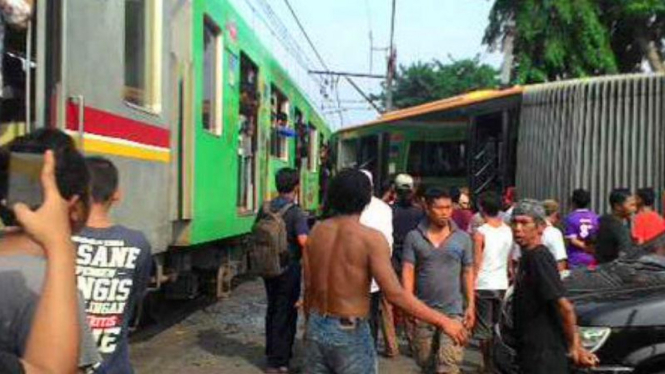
(597, 134)
(95, 70)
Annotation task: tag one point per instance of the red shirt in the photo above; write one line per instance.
(647, 226)
(462, 218)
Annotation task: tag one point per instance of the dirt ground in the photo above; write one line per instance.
(228, 337)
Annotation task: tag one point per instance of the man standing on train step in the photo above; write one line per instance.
(283, 291)
(113, 268)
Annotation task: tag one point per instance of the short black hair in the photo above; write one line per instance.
(349, 192)
(618, 196)
(455, 194)
(648, 195)
(103, 178)
(581, 198)
(287, 179)
(71, 173)
(386, 186)
(490, 203)
(281, 116)
(436, 193)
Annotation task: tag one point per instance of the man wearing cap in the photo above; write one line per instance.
(545, 321)
(378, 216)
(406, 217)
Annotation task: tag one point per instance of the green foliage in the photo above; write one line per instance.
(558, 39)
(632, 25)
(553, 39)
(423, 82)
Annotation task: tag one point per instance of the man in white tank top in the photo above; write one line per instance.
(493, 243)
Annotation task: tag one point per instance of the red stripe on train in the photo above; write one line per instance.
(108, 124)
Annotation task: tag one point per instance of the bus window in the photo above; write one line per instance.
(437, 159)
(348, 153)
(280, 124)
(248, 135)
(212, 77)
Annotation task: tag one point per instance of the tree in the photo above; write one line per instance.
(423, 82)
(559, 39)
(637, 31)
(553, 39)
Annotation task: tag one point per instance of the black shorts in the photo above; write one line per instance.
(488, 311)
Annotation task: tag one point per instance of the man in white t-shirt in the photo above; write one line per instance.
(552, 236)
(379, 216)
(493, 244)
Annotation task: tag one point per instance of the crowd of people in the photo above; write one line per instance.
(424, 264)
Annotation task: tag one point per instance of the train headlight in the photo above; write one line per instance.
(594, 337)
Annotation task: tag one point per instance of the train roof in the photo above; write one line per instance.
(451, 104)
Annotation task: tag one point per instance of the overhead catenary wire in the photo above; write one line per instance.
(322, 61)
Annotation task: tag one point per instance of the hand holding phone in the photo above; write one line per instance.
(49, 224)
(24, 178)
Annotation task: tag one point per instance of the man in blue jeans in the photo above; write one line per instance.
(341, 259)
(283, 291)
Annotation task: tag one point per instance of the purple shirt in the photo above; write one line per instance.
(580, 224)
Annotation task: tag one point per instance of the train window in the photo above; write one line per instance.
(437, 159)
(279, 105)
(250, 101)
(212, 77)
(313, 148)
(301, 138)
(143, 47)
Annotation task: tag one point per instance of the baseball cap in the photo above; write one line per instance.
(404, 181)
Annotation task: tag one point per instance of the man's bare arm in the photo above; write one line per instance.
(569, 321)
(383, 272)
(470, 288)
(478, 248)
(580, 244)
(409, 277)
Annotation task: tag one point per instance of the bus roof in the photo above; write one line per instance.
(447, 104)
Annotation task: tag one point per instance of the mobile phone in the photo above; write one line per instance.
(24, 184)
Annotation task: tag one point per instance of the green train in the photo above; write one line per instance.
(184, 97)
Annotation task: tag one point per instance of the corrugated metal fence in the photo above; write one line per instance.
(597, 134)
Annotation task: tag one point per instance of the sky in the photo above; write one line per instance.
(340, 29)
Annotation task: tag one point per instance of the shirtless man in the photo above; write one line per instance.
(341, 258)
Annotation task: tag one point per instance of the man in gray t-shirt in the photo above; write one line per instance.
(21, 280)
(437, 256)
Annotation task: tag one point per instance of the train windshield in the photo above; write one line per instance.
(437, 159)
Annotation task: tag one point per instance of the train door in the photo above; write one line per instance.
(182, 114)
(249, 135)
(486, 140)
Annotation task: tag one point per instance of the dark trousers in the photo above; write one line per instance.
(283, 293)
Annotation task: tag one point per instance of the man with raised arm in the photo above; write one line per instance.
(342, 257)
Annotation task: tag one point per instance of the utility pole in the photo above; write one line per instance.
(392, 56)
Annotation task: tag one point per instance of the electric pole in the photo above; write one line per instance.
(392, 56)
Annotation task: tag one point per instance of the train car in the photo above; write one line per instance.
(547, 139)
(184, 98)
(459, 141)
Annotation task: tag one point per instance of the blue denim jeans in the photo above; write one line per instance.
(336, 345)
